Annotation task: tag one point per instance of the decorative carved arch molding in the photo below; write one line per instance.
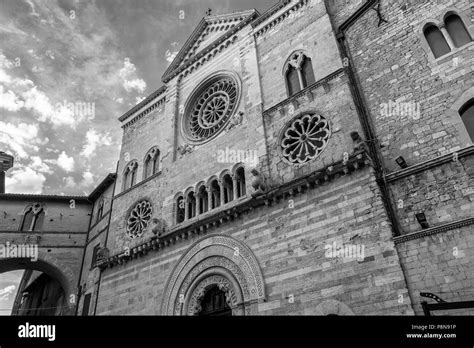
(215, 260)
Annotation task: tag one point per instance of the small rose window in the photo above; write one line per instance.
(305, 138)
(139, 218)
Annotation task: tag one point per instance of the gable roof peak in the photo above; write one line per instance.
(209, 29)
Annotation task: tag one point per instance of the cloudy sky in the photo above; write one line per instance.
(70, 68)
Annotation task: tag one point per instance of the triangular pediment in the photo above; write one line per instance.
(209, 30)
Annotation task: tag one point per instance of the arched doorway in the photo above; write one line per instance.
(217, 271)
(214, 303)
(44, 288)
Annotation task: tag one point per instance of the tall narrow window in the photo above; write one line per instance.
(86, 304)
(456, 30)
(307, 71)
(436, 40)
(151, 163)
(228, 188)
(203, 200)
(27, 220)
(38, 221)
(216, 194)
(240, 181)
(133, 177)
(191, 205)
(100, 211)
(94, 255)
(33, 218)
(180, 211)
(467, 116)
(298, 73)
(130, 175)
(293, 81)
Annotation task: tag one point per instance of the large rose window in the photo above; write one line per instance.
(305, 138)
(139, 219)
(210, 108)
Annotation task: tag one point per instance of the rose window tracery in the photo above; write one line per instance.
(305, 138)
(139, 218)
(210, 109)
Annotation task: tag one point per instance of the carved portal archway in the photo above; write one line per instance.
(215, 260)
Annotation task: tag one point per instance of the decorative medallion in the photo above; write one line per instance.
(210, 108)
(139, 218)
(305, 138)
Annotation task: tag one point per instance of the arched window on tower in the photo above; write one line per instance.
(100, 210)
(228, 188)
(130, 175)
(152, 161)
(191, 201)
(215, 194)
(457, 30)
(298, 73)
(180, 211)
(467, 116)
(292, 81)
(240, 181)
(203, 200)
(33, 218)
(435, 38)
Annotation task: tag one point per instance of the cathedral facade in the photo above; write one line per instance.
(314, 159)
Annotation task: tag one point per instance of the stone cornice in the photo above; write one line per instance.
(145, 112)
(201, 226)
(279, 18)
(179, 64)
(144, 102)
(304, 92)
(432, 163)
(433, 230)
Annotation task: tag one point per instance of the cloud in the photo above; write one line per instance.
(10, 101)
(93, 139)
(6, 292)
(38, 165)
(25, 180)
(130, 81)
(65, 162)
(170, 56)
(88, 179)
(20, 139)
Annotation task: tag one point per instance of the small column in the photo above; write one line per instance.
(447, 36)
(234, 185)
(186, 208)
(300, 77)
(221, 186)
(197, 197)
(209, 197)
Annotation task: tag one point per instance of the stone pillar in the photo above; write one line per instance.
(186, 208)
(209, 197)
(221, 186)
(447, 37)
(234, 185)
(197, 197)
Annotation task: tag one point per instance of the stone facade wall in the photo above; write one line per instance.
(445, 194)
(394, 64)
(59, 216)
(440, 264)
(308, 28)
(97, 236)
(289, 244)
